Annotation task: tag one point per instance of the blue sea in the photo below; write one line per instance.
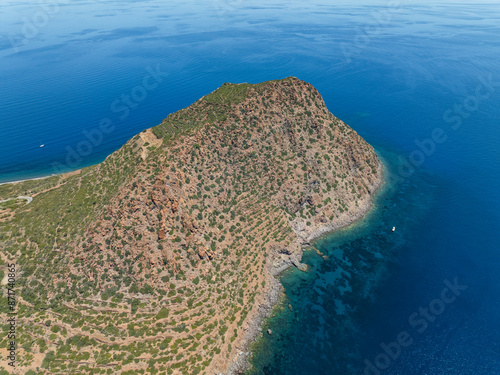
(419, 80)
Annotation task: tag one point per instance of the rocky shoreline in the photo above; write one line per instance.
(274, 292)
(271, 298)
(309, 235)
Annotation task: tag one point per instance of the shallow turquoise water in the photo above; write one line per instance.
(399, 75)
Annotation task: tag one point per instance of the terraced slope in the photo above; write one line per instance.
(156, 260)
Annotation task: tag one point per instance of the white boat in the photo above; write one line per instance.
(42, 145)
(393, 229)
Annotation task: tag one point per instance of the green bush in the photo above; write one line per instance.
(163, 313)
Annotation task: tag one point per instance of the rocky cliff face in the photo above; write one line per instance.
(171, 268)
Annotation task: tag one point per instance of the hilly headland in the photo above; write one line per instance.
(163, 258)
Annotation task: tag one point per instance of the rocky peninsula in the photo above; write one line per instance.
(163, 259)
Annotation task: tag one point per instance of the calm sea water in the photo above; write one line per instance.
(419, 80)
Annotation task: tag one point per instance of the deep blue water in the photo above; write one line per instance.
(398, 74)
